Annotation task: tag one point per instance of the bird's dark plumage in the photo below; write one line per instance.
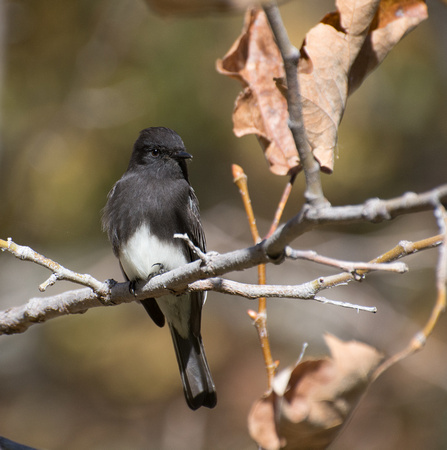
(150, 203)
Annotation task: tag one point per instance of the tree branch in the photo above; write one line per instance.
(374, 210)
(38, 310)
(18, 319)
(290, 55)
(419, 340)
(59, 272)
(347, 266)
(304, 291)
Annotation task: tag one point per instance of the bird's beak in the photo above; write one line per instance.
(183, 155)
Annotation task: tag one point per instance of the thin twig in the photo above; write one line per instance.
(403, 248)
(305, 291)
(240, 180)
(59, 271)
(419, 340)
(259, 318)
(373, 210)
(348, 266)
(281, 205)
(327, 301)
(202, 256)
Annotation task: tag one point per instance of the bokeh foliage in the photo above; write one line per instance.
(80, 79)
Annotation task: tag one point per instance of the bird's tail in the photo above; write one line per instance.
(196, 377)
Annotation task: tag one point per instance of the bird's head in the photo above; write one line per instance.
(162, 150)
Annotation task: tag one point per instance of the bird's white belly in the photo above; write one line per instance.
(144, 255)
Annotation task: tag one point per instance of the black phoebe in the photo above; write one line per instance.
(151, 202)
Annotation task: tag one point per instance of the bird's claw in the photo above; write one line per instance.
(160, 270)
(132, 287)
(133, 283)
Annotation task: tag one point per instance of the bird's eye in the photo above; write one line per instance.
(155, 152)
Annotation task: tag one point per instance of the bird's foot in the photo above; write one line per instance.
(132, 287)
(133, 283)
(160, 270)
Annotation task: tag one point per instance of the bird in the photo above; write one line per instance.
(145, 208)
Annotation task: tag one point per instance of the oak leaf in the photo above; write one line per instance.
(311, 401)
(254, 60)
(336, 56)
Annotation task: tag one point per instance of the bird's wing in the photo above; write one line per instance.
(195, 233)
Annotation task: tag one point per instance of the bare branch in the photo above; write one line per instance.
(373, 210)
(18, 319)
(37, 310)
(419, 340)
(404, 248)
(202, 256)
(253, 291)
(348, 266)
(59, 272)
(327, 301)
(290, 54)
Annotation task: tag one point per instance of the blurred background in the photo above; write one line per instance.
(78, 81)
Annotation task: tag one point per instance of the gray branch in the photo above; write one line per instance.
(213, 266)
(374, 211)
(291, 55)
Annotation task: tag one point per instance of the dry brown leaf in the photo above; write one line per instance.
(394, 19)
(311, 401)
(261, 423)
(254, 60)
(336, 56)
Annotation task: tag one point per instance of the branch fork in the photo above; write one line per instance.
(201, 274)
